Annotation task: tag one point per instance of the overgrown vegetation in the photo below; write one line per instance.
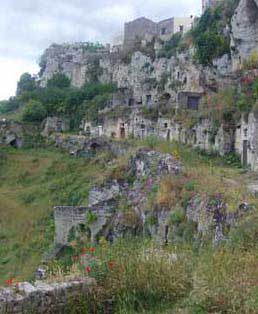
(209, 34)
(58, 98)
(134, 275)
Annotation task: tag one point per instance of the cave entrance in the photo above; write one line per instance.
(168, 135)
(122, 130)
(94, 147)
(13, 143)
(245, 151)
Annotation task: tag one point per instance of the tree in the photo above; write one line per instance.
(26, 84)
(34, 111)
(59, 80)
(9, 105)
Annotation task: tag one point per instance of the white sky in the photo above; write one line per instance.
(27, 27)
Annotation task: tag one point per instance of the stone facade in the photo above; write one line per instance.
(145, 29)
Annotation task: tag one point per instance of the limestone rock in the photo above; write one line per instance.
(245, 29)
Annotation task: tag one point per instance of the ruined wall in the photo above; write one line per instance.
(42, 297)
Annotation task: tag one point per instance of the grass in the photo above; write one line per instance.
(141, 279)
(146, 278)
(32, 182)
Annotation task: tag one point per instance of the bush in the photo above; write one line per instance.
(34, 111)
(252, 62)
(26, 84)
(59, 80)
(9, 105)
(208, 38)
(171, 46)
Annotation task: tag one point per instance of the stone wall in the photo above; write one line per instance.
(41, 297)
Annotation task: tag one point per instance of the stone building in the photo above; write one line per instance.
(145, 29)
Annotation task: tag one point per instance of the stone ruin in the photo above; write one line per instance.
(43, 297)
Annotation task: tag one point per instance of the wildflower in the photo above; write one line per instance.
(111, 264)
(84, 250)
(75, 258)
(87, 269)
(9, 281)
(92, 249)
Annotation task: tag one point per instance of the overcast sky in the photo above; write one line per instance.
(27, 27)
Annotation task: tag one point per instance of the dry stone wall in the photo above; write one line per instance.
(42, 297)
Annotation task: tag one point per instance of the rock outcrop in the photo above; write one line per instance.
(245, 30)
(145, 169)
(42, 297)
(11, 133)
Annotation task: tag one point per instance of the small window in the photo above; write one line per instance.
(131, 102)
(148, 97)
(181, 28)
(163, 31)
(165, 125)
(193, 102)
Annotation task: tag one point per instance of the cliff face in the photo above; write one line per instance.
(245, 30)
(82, 63)
(179, 82)
(76, 61)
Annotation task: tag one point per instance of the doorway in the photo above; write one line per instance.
(245, 151)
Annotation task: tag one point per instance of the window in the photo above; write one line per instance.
(163, 31)
(193, 102)
(131, 102)
(165, 125)
(181, 28)
(148, 98)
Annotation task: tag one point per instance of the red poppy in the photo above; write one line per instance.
(84, 250)
(9, 281)
(111, 264)
(92, 249)
(87, 269)
(75, 258)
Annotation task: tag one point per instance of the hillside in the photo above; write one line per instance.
(128, 173)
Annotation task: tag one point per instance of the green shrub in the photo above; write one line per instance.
(26, 83)
(34, 111)
(208, 35)
(171, 46)
(90, 217)
(10, 105)
(177, 216)
(59, 80)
